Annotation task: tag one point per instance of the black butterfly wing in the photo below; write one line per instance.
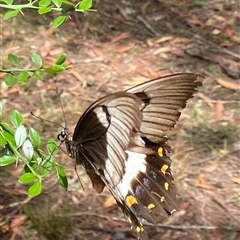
(103, 134)
(121, 142)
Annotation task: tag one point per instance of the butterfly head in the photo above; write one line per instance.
(64, 135)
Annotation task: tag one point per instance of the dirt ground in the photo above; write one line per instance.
(118, 46)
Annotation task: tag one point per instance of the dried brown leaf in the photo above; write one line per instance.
(15, 224)
(206, 99)
(236, 180)
(184, 205)
(109, 202)
(228, 84)
(123, 49)
(97, 51)
(202, 183)
(144, 7)
(45, 49)
(211, 168)
(219, 108)
(163, 39)
(120, 37)
(162, 50)
(152, 73)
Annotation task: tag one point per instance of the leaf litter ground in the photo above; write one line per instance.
(120, 46)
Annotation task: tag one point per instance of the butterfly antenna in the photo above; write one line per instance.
(63, 113)
(46, 120)
(78, 176)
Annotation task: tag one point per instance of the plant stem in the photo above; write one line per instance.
(21, 70)
(29, 5)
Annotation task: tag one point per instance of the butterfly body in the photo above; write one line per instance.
(120, 140)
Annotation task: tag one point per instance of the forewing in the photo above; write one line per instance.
(103, 134)
(162, 99)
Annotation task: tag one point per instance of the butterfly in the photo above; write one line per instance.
(121, 142)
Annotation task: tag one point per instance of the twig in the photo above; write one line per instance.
(15, 204)
(210, 43)
(176, 227)
(147, 25)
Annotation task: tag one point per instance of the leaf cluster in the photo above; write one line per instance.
(63, 7)
(17, 143)
(20, 76)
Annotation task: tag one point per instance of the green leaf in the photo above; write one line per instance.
(61, 59)
(27, 178)
(13, 59)
(199, 3)
(52, 147)
(7, 128)
(58, 21)
(85, 5)
(57, 3)
(38, 76)
(35, 137)
(20, 135)
(7, 160)
(47, 166)
(62, 179)
(36, 58)
(44, 3)
(10, 14)
(35, 189)
(16, 118)
(5, 150)
(68, 3)
(43, 10)
(49, 71)
(59, 68)
(28, 149)
(33, 163)
(9, 79)
(8, 2)
(22, 77)
(7, 134)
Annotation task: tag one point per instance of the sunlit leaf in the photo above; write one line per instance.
(58, 21)
(57, 3)
(13, 59)
(35, 137)
(10, 14)
(27, 178)
(49, 71)
(22, 77)
(85, 5)
(36, 58)
(38, 76)
(43, 10)
(44, 3)
(16, 118)
(28, 149)
(9, 79)
(20, 136)
(61, 59)
(35, 189)
(59, 68)
(7, 160)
